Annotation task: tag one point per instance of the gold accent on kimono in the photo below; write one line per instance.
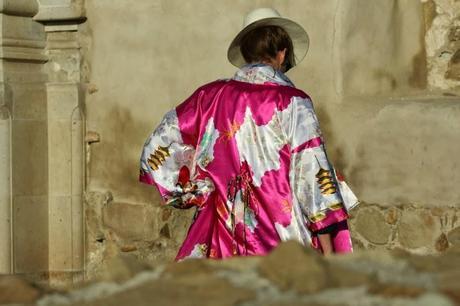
(203, 249)
(336, 206)
(286, 206)
(230, 133)
(317, 217)
(325, 181)
(322, 214)
(158, 157)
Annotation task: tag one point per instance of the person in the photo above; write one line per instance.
(248, 154)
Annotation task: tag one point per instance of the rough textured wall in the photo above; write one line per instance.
(443, 43)
(368, 71)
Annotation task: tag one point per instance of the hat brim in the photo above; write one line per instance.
(299, 37)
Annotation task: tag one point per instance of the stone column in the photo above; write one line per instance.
(65, 139)
(23, 162)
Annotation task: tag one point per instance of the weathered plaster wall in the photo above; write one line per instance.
(157, 53)
(369, 71)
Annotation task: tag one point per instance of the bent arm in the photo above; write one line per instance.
(167, 163)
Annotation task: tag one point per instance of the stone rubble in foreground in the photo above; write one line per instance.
(289, 276)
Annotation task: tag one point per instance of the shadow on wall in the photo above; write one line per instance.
(116, 157)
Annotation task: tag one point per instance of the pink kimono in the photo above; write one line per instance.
(248, 154)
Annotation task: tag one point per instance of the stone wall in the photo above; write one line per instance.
(443, 43)
(414, 228)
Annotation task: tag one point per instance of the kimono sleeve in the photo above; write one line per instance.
(313, 180)
(168, 163)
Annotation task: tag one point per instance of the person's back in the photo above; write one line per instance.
(248, 153)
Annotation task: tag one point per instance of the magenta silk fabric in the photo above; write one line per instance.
(249, 155)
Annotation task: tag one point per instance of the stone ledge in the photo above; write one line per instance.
(51, 12)
(26, 8)
(23, 54)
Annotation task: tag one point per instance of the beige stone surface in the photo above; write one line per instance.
(19, 7)
(399, 151)
(130, 221)
(290, 274)
(14, 290)
(60, 166)
(442, 45)
(364, 278)
(60, 10)
(418, 229)
(5, 191)
(62, 100)
(379, 47)
(22, 40)
(29, 101)
(370, 223)
(66, 155)
(454, 236)
(30, 232)
(60, 233)
(30, 160)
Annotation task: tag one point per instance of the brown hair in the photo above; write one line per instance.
(263, 43)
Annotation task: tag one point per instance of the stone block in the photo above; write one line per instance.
(453, 69)
(29, 101)
(60, 233)
(30, 157)
(23, 29)
(59, 166)
(65, 64)
(55, 10)
(24, 41)
(24, 72)
(454, 236)
(78, 232)
(370, 223)
(19, 7)
(287, 266)
(30, 234)
(62, 100)
(5, 195)
(130, 221)
(16, 291)
(418, 228)
(122, 268)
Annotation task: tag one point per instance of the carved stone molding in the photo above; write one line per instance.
(60, 10)
(21, 39)
(19, 7)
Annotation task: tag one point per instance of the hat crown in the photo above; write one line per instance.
(260, 13)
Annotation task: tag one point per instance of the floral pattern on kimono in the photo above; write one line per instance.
(248, 153)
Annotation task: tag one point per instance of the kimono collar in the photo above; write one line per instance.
(260, 74)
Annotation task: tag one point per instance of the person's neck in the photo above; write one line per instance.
(273, 64)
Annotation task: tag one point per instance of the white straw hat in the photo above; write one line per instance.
(263, 17)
